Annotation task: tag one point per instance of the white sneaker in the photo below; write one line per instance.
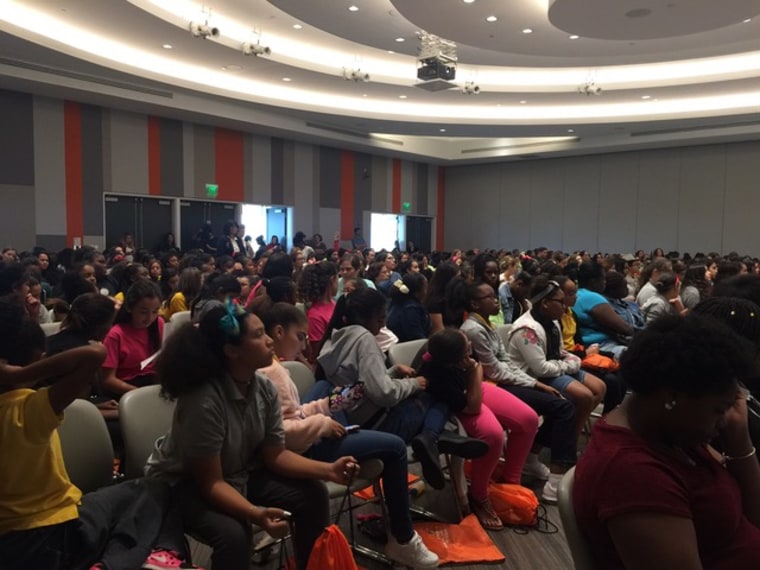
(534, 469)
(549, 494)
(413, 554)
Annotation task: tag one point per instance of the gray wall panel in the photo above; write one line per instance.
(289, 166)
(580, 228)
(303, 186)
(742, 200)
(363, 175)
(261, 167)
(381, 184)
(656, 214)
(513, 204)
(129, 153)
(52, 242)
(172, 167)
(204, 160)
(420, 201)
(50, 169)
(547, 202)
(700, 205)
(277, 159)
(17, 141)
(17, 201)
(329, 178)
(618, 187)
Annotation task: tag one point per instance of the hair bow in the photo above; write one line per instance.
(230, 322)
(399, 284)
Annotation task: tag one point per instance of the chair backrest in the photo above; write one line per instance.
(50, 328)
(579, 547)
(144, 417)
(179, 318)
(404, 352)
(302, 377)
(503, 332)
(86, 446)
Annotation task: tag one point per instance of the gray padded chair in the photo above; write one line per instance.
(144, 417)
(86, 446)
(404, 352)
(579, 548)
(301, 375)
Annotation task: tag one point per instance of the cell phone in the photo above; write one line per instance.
(352, 428)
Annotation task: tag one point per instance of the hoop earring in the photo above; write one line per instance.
(670, 405)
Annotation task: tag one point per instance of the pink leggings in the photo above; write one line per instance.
(500, 410)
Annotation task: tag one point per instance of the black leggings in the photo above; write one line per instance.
(306, 499)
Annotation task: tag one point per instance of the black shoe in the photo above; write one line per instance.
(426, 450)
(461, 445)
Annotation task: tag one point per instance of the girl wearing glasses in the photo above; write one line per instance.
(535, 345)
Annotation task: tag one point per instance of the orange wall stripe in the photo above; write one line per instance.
(396, 188)
(228, 157)
(72, 127)
(440, 209)
(347, 189)
(154, 156)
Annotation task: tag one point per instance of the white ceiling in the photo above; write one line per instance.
(670, 72)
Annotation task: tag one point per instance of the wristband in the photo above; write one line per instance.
(740, 457)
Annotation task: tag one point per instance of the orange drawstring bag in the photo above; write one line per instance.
(331, 550)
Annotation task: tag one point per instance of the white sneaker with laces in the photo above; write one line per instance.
(413, 554)
(534, 469)
(549, 494)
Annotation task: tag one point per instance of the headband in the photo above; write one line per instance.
(551, 286)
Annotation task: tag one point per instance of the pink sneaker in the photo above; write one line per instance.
(166, 560)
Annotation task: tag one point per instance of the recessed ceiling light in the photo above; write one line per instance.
(167, 46)
(570, 130)
(444, 130)
(468, 1)
(364, 94)
(527, 31)
(402, 96)
(523, 102)
(390, 51)
(399, 40)
(287, 79)
(353, 8)
(297, 26)
(646, 97)
(574, 37)
(491, 19)
(746, 20)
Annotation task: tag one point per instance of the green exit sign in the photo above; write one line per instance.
(212, 190)
(406, 206)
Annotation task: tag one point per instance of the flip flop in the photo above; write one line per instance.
(488, 518)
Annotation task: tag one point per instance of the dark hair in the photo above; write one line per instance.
(657, 264)
(695, 277)
(480, 262)
(216, 284)
(727, 269)
(73, 285)
(315, 279)
(442, 276)
(89, 314)
(278, 290)
(665, 282)
(412, 283)
(697, 355)
(356, 261)
(282, 314)
(190, 283)
(194, 355)
(21, 338)
(166, 276)
(141, 289)
(279, 264)
(543, 286)
(615, 284)
(373, 271)
(356, 308)
(588, 272)
(742, 315)
(12, 275)
(446, 346)
(744, 286)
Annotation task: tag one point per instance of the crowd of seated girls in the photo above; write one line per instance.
(561, 309)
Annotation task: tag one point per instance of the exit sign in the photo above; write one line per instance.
(212, 190)
(406, 206)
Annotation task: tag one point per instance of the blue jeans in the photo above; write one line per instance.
(391, 450)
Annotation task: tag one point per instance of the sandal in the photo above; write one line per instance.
(488, 518)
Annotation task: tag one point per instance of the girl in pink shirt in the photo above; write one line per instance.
(318, 286)
(134, 338)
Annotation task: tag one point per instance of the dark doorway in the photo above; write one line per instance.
(419, 229)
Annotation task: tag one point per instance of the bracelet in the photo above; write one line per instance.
(740, 457)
